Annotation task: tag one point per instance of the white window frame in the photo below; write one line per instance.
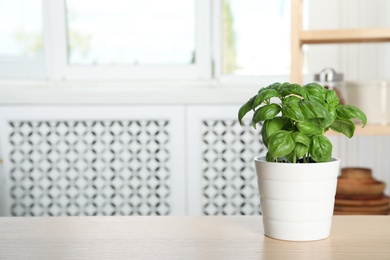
(54, 65)
(57, 53)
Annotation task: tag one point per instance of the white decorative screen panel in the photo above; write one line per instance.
(229, 178)
(89, 167)
(225, 183)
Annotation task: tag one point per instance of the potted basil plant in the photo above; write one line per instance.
(298, 177)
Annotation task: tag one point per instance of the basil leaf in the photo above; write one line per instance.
(344, 126)
(320, 149)
(274, 86)
(245, 109)
(271, 126)
(263, 95)
(350, 112)
(311, 109)
(316, 92)
(265, 112)
(300, 150)
(291, 157)
(308, 128)
(292, 110)
(293, 89)
(291, 99)
(281, 144)
(269, 158)
(301, 138)
(330, 116)
(331, 98)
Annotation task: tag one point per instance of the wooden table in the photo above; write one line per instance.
(241, 237)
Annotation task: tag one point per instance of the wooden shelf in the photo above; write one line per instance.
(345, 36)
(300, 37)
(378, 130)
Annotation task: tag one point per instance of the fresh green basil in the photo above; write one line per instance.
(263, 95)
(315, 92)
(351, 112)
(292, 110)
(271, 126)
(281, 143)
(295, 119)
(320, 148)
(300, 150)
(308, 128)
(311, 109)
(265, 112)
(245, 109)
(331, 98)
(344, 126)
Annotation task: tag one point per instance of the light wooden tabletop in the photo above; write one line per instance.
(206, 237)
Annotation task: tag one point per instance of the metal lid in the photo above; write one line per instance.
(328, 75)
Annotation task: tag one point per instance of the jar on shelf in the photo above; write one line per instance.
(372, 97)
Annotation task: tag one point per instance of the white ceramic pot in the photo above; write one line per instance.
(297, 200)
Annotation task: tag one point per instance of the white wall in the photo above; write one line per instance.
(364, 61)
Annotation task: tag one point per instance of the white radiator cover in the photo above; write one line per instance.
(92, 161)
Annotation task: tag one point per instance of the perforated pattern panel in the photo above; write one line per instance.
(229, 178)
(89, 168)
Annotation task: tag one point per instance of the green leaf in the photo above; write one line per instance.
(292, 110)
(320, 149)
(300, 150)
(269, 158)
(316, 92)
(265, 112)
(291, 99)
(311, 109)
(302, 143)
(344, 126)
(291, 157)
(331, 98)
(350, 112)
(245, 109)
(293, 89)
(308, 128)
(330, 116)
(301, 138)
(281, 144)
(271, 126)
(264, 94)
(274, 86)
(283, 86)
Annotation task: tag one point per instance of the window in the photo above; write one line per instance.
(21, 38)
(21, 29)
(149, 39)
(226, 40)
(130, 39)
(250, 46)
(130, 32)
(95, 40)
